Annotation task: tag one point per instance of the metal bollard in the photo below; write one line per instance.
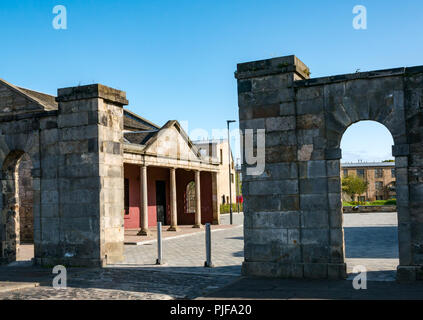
(208, 262)
(159, 243)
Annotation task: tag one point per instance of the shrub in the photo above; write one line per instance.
(224, 208)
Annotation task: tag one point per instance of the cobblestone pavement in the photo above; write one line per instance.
(111, 284)
(181, 278)
(370, 241)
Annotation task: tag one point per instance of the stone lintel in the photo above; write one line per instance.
(92, 91)
(261, 68)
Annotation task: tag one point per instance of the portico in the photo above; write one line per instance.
(167, 180)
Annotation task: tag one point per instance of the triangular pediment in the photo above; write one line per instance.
(171, 141)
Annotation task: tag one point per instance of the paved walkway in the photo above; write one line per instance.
(132, 237)
(371, 240)
(187, 253)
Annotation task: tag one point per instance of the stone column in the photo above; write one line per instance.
(143, 201)
(197, 200)
(173, 203)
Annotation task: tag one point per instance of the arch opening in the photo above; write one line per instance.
(17, 231)
(370, 219)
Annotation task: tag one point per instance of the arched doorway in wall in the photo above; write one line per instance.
(17, 231)
(370, 219)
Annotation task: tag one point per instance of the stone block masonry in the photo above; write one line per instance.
(77, 174)
(293, 211)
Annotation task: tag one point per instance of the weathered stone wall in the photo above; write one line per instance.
(409, 168)
(293, 211)
(111, 181)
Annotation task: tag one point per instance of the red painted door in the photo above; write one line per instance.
(132, 214)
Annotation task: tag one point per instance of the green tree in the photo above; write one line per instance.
(353, 185)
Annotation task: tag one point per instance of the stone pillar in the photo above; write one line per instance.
(197, 223)
(89, 230)
(409, 180)
(144, 201)
(173, 202)
(272, 215)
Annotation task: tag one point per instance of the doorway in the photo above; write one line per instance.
(161, 201)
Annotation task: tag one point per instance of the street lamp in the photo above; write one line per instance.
(237, 183)
(230, 181)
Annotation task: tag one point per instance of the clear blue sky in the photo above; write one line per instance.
(176, 59)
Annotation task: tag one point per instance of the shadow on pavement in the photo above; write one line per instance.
(371, 242)
(262, 288)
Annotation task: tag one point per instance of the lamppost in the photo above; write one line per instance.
(230, 180)
(237, 183)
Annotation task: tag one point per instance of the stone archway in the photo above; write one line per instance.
(11, 226)
(293, 209)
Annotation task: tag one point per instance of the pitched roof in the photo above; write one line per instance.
(367, 164)
(45, 101)
(48, 101)
(134, 122)
(139, 137)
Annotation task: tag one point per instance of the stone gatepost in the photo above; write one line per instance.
(87, 189)
(288, 229)
(409, 172)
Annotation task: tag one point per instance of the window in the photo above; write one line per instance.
(393, 173)
(378, 185)
(203, 152)
(379, 197)
(221, 156)
(360, 173)
(378, 173)
(232, 178)
(345, 172)
(190, 197)
(126, 196)
(361, 198)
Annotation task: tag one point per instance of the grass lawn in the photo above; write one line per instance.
(390, 202)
